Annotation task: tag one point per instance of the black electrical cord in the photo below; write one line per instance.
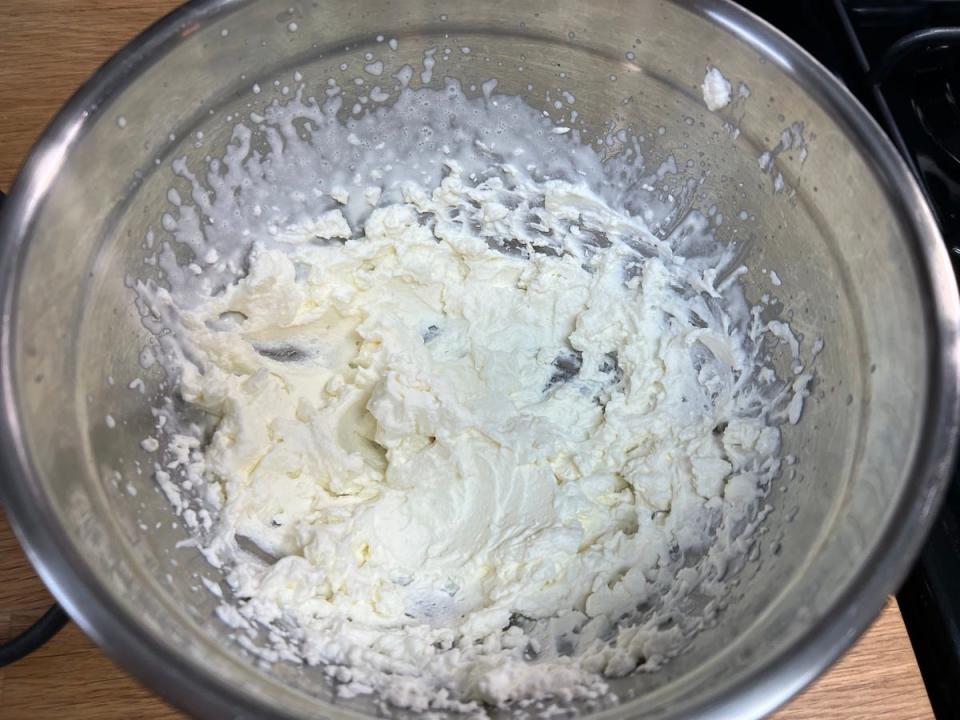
(34, 636)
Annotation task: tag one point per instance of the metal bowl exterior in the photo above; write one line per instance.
(203, 682)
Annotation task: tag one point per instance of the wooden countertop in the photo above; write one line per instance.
(47, 48)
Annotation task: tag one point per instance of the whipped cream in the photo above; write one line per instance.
(478, 432)
(717, 90)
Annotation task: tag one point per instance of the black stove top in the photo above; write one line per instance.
(902, 60)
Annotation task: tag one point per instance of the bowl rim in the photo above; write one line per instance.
(195, 688)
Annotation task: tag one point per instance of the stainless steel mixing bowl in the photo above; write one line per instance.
(858, 252)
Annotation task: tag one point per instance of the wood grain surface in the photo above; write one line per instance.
(47, 48)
